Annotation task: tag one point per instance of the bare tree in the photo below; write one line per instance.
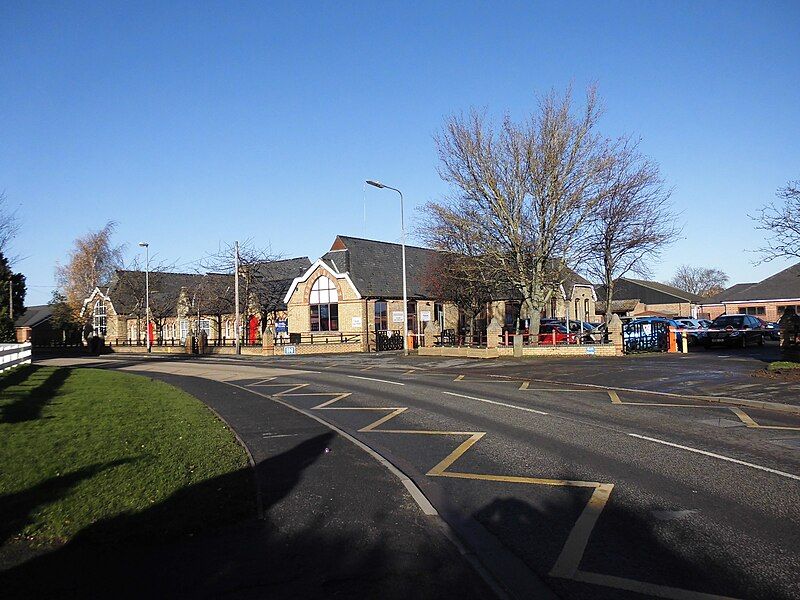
(92, 262)
(522, 193)
(781, 221)
(9, 226)
(631, 224)
(702, 281)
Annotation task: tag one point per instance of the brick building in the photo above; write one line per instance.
(356, 288)
(640, 298)
(183, 303)
(766, 299)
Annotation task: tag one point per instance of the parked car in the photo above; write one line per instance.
(547, 337)
(734, 330)
(772, 330)
(705, 323)
(644, 328)
(696, 330)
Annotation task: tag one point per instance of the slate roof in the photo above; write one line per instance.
(616, 306)
(274, 278)
(34, 315)
(375, 268)
(649, 292)
(783, 285)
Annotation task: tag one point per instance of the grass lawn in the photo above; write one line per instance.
(782, 364)
(107, 456)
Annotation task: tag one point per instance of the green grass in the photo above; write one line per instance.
(782, 364)
(112, 455)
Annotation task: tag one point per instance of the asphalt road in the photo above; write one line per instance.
(597, 493)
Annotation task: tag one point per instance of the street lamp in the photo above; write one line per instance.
(380, 185)
(146, 247)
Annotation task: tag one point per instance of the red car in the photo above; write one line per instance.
(552, 333)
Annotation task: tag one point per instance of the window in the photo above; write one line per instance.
(512, 315)
(438, 314)
(553, 306)
(782, 309)
(324, 305)
(205, 325)
(381, 316)
(99, 321)
(586, 310)
(752, 310)
(577, 314)
(184, 329)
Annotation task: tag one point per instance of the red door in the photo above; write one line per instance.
(253, 329)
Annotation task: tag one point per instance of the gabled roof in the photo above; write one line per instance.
(616, 306)
(784, 285)
(649, 292)
(34, 315)
(127, 288)
(274, 278)
(375, 268)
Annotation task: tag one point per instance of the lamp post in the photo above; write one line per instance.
(380, 185)
(146, 247)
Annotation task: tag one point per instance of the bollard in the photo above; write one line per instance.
(685, 343)
(673, 343)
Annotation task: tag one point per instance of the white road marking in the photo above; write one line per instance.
(373, 379)
(719, 456)
(538, 412)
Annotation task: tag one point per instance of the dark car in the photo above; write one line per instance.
(734, 330)
(772, 330)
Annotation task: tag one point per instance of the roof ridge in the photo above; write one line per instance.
(647, 283)
(353, 237)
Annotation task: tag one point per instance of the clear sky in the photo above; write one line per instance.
(196, 123)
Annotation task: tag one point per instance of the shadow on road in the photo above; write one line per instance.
(673, 551)
(297, 551)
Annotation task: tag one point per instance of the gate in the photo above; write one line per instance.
(645, 337)
(388, 340)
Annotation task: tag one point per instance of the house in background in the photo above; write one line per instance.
(34, 325)
(767, 299)
(640, 298)
(357, 288)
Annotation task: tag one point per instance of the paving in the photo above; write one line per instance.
(593, 492)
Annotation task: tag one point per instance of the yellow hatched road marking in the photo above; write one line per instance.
(569, 559)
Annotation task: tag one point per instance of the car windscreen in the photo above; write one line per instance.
(728, 321)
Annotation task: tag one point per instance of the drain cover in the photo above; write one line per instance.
(722, 423)
(791, 443)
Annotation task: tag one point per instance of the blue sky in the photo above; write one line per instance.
(192, 124)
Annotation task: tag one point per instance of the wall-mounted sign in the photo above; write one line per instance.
(356, 322)
(425, 315)
(281, 326)
(290, 350)
(590, 350)
(397, 316)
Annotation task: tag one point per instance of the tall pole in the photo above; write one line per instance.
(146, 247)
(236, 294)
(11, 298)
(380, 185)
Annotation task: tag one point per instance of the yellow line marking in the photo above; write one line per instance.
(410, 372)
(263, 381)
(290, 390)
(748, 420)
(614, 397)
(570, 558)
(524, 385)
(367, 368)
(568, 562)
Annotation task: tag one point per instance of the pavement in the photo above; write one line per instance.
(600, 490)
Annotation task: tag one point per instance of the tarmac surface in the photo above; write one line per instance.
(627, 486)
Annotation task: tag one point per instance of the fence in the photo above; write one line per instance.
(449, 338)
(12, 355)
(297, 339)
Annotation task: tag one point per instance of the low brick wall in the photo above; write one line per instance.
(320, 348)
(143, 349)
(544, 351)
(460, 352)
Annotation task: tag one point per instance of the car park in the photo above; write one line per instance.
(734, 330)
(772, 330)
(554, 333)
(695, 330)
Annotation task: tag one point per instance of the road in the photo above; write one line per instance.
(595, 492)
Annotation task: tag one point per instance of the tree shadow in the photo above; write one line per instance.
(305, 546)
(16, 509)
(632, 544)
(30, 402)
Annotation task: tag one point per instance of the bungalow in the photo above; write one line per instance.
(640, 298)
(767, 299)
(356, 288)
(34, 324)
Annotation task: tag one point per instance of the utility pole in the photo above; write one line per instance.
(11, 298)
(236, 294)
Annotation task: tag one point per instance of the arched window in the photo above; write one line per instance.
(586, 311)
(577, 315)
(99, 324)
(324, 306)
(553, 306)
